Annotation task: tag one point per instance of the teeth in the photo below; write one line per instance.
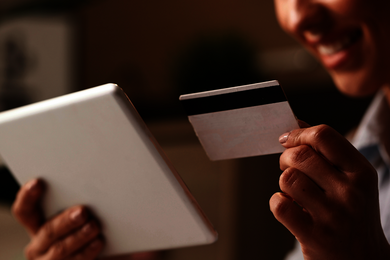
(329, 49)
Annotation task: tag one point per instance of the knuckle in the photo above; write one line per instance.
(339, 223)
(365, 179)
(91, 229)
(288, 178)
(21, 215)
(284, 159)
(48, 231)
(279, 207)
(322, 132)
(357, 180)
(352, 198)
(301, 154)
(281, 160)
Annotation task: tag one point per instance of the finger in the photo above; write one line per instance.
(302, 190)
(91, 251)
(290, 215)
(26, 208)
(74, 242)
(88, 252)
(58, 227)
(308, 161)
(330, 144)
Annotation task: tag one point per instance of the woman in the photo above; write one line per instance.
(330, 200)
(334, 185)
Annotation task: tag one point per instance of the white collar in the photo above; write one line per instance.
(374, 128)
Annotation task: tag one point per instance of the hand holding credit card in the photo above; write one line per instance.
(240, 121)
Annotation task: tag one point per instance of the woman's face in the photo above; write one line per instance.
(351, 38)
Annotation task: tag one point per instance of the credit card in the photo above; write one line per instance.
(240, 121)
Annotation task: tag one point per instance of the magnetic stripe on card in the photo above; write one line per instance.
(234, 100)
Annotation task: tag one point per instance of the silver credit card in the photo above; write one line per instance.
(240, 121)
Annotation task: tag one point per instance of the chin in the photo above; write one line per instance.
(356, 84)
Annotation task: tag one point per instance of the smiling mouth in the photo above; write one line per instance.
(339, 45)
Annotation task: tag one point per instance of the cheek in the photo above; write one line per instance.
(373, 67)
(351, 8)
(282, 13)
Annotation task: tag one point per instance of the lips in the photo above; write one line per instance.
(338, 45)
(329, 49)
(335, 50)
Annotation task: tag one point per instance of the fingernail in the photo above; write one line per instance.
(77, 215)
(89, 228)
(32, 185)
(283, 138)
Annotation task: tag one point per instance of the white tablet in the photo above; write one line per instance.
(91, 147)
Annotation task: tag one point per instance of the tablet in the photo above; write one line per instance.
(92, 147)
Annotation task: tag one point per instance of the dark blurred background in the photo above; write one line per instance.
(157, 50)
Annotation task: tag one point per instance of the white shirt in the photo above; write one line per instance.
(372, 139)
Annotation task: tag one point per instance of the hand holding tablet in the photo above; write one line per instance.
(92, 148)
